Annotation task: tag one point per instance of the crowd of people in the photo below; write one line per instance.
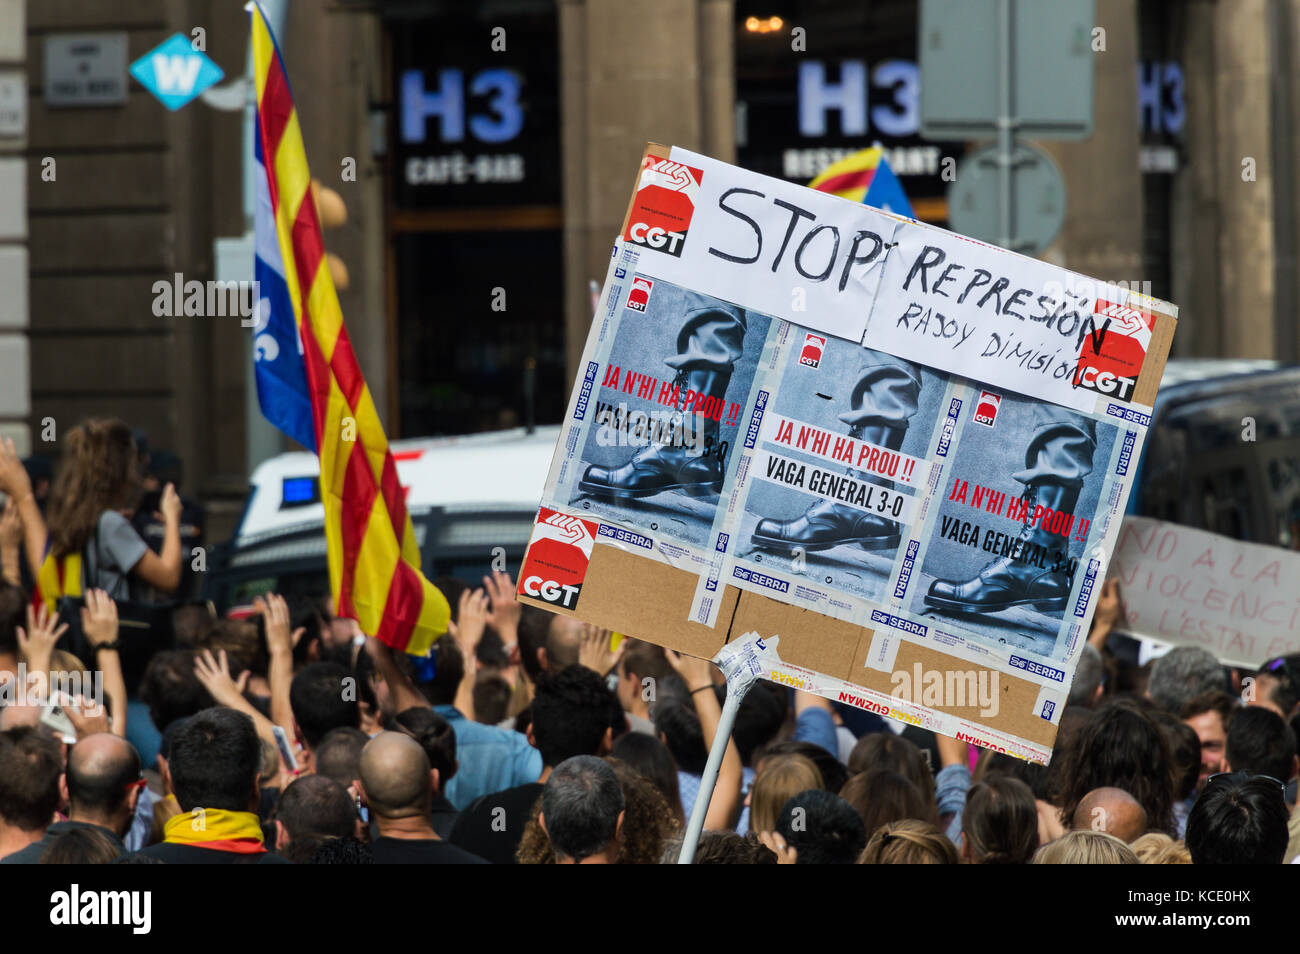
(281, 734)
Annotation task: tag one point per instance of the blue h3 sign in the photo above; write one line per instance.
(175, 72)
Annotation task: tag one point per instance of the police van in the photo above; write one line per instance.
(472, 502)
(1223, 450)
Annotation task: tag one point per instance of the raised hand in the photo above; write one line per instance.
(275, 612)
(695, 672)
(505, 609)
(594, 651)
(37, 641)
(99, 618)
(214, 673)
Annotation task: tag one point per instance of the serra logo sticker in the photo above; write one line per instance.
(811, 355)
(986, 408)
(665, 201)
(638, 296)
(557, 559)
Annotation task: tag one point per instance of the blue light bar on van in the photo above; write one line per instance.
(299, 492)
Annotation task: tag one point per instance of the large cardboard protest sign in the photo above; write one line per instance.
(903, 452)
(1186, 587)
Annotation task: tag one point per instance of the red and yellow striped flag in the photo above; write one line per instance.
(374, 561)
(56, 578)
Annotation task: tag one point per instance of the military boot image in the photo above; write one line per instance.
(1057, 459)
(882, 403)
(709, 344)
(1036, 576)
(694, 468)
(826, 524)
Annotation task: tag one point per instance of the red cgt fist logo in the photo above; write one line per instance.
(986, 408)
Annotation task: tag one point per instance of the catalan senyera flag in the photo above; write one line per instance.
(865, 177)
(56, 578)
(374, 562)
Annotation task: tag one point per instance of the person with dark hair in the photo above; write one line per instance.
(13, 613)
(647, 826)
(397, 786)
(343, 851)
(1277, 685)
(818, 828)
(1209, 713)
(338, 757)
(313, 807)
(1260, 743)
(1240, 819)
(1121, 746)
(31, 767)
(104, 784)
(170, 688)
(1087, 688)
(571, 715)
(435, 735)
(321, 701)
(722, 848)
(651, 759)
(885, 750)
(492, 695)
(1182, 674)
(999, 825)
(1185, 748)
(881, 796)
(81, 846)
(534, 624)
(641, 670)
(582, 811)
(214, 762)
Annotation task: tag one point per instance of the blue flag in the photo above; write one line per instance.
(277, 349)
(886, 192)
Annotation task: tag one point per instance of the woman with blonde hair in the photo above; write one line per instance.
(1082, 847)
(909, 842)
(1157, 848)
(781, 778)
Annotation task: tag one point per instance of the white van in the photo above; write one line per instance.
(471, 499)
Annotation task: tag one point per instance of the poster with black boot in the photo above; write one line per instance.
(905, 453)
(677, 374)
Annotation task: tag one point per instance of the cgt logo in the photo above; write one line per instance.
(570, 529)
(638, 296)
(666, 194)
(655, 237)
(1104, 382)
(811, 355)
(986, 408)
(561, 594)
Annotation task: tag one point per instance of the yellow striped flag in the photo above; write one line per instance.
(56, 578)
(374, 562)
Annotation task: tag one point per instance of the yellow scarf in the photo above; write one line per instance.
(217, 829)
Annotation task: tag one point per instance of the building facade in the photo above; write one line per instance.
(484, 154)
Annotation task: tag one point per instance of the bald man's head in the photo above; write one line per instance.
(1113, 811)
(395, 775)
(101, 771)
(563, 641)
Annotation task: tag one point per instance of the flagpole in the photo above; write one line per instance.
(740, 663)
